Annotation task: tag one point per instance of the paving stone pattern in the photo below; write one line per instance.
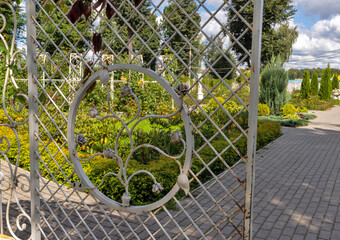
(297, 189)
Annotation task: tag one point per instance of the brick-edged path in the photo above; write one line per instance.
(297, 193)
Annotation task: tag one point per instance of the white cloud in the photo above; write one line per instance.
(322, 8)
(317, 47)
(212, 27)
(215, 3)
(328, 28)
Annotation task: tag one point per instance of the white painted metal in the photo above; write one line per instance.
(253, 112)
(33, 115)
(188, 144)
(65, 204)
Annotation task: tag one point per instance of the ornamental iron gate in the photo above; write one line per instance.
(128, 126)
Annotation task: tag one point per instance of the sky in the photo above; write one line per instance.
(317, 21)
(318, 24)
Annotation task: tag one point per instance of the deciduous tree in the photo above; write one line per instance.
(277, 38)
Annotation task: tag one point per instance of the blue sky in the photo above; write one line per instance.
(318, 23)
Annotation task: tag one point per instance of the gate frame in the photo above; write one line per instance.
(33, 115)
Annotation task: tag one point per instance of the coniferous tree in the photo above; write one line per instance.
(335, 81)
(305, 86)
(187, 27)
(274, 83)
(325, 87)
(125, 38)
(314, 84)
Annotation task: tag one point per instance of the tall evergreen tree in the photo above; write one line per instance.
(187, 27)
(274, 83)
(335, 81)
(314, 84)
(305, 86)
(326, 86)
(277, 37)
(126, 33)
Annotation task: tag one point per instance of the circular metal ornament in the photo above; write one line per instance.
(72, 144)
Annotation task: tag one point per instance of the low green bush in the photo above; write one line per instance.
(266, 133)
(291, 116)
(288, 109)
(59, 167)
(302, 109)
(309, 116)
(285, 122)
(312, 102)
(264, 110)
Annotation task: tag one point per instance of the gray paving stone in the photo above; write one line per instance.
(299, 175)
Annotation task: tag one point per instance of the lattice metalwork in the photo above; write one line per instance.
(167, 151)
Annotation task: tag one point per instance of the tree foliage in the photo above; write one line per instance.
(314, 84)
(335, 81)
(125, 37)
(218, 62)
(50, 38)
(277, 37)
(274, 81)
(188, 28)
(298, 73)
(305, 86)
(8, 33)
(326, 86)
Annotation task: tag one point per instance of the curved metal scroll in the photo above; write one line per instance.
(73, 141)
(12, 184)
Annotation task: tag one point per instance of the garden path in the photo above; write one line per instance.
(297, 189)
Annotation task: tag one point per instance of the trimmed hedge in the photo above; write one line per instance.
(164, 169)
(266, 133)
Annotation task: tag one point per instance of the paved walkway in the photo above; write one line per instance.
(298, 182)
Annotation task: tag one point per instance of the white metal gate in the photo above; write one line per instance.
(135, 132)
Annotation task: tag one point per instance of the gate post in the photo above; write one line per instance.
(33, 123)
(253, 108)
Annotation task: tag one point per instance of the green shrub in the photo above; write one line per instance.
(264, 110)
(288, 109)
(285, 122)
(305, 86)
(302, 109)
(335, 81)
(266, 133)
(164, 169)
(326, 85)
(313, 102)
(314, 84)
(291, 116)
(274, 83)
(214, 104)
